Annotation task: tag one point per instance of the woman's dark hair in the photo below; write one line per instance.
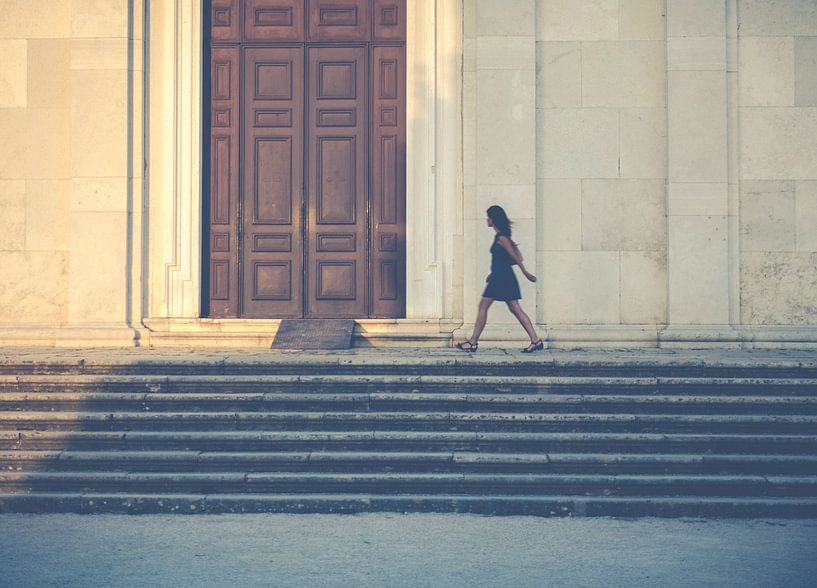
(500, 220)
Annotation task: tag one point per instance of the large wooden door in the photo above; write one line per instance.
(306, 207)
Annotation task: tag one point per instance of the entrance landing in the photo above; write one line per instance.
(314, 334)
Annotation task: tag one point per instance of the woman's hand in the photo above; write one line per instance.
(530, 276)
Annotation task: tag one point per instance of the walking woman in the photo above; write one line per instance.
(502, 284)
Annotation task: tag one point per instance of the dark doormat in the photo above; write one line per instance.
(314, 334)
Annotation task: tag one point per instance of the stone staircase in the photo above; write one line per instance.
(455, 434)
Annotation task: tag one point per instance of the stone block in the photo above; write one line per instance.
(12, 215)
(35, 19)
(778, 17)
(13, 131)
(512, 53)
(766, 66)
(33, 287)
(696, 53)
(623, 73)
(99, 18)
(697, 136)
(99, 195)
(561, 216)
(518, 201)
(469, 55)
(99, 123)
(625, 215)
(767, 215)
(643, 287)
(578, 142)
(469, 18)
(698, 198)
(696, 18)
(506, 17)
(558, 74)
(805, 71)
(581, 287)
(101, 54)
(805, 194)
(641, 20)
(643, 142)
(469, 127)
(778, 143)
(99, 265)
(778, 288)
(13, 86)
(506, 111)
(47, 215)
(49, 80)
(578, 20)
(698, 273)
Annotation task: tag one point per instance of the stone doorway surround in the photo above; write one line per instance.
(173, 156)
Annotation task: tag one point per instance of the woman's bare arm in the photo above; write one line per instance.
(508, 246)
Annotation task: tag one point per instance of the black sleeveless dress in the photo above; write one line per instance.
(502, 284)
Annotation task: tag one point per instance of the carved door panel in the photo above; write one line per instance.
(306, 199)
(272, 260)
(337, 183)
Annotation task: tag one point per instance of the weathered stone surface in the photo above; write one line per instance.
(696, 18)
(767, 216)
(698, 280)
(13, 73)
(505, 17)
(778, 17)
(34, 286)
(581, 287)
(697, 126)
(805, 71)
(643, 142)
(35, 19)
(47, 215)
(99, 18)
(643, 287)
(558, 74)
(578, 20)
(641, 20)
(561, 214)
(767, 71)
(49, 80)
(778, 288)
(12, 215)
(698, 198)
(623, 73)
(806, 204)
(578, 142)
(696, 53)
(625, 215)
(778, 143)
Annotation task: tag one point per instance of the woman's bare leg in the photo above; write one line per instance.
(516, 310)
(482, 318)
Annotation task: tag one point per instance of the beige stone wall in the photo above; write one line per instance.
(601, 161)
(68, 175)
(777, 75)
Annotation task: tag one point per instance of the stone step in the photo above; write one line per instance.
(401, 483)
(409, 441)
(418, 421)
(437, 362)
(369, 383)
(395, 461)
(392, 401)
(540, 505)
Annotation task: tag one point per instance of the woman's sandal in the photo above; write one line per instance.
(534, 347)
(472, 347)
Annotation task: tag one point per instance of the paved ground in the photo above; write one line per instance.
(402, 550)
(415, 356)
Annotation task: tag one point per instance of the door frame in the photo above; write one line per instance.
(173, 157)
